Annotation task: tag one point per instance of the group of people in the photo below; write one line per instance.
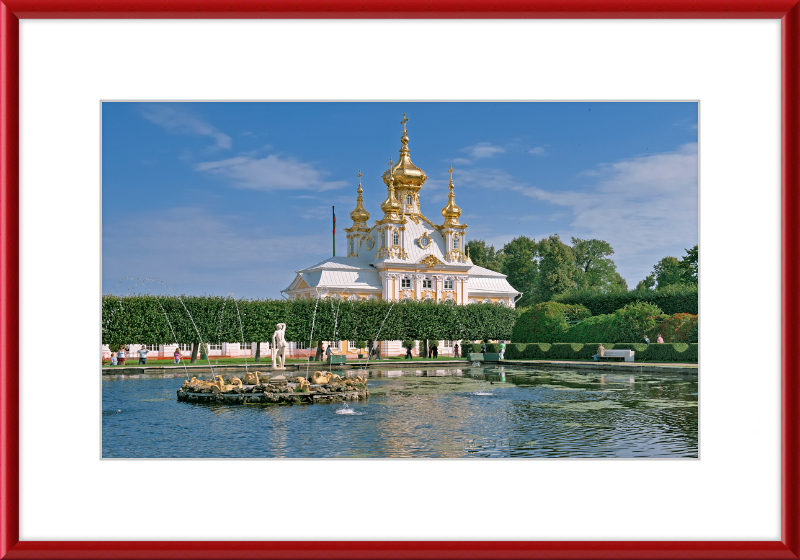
(118, 357)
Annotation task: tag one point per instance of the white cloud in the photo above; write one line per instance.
(270, 173)
(179, 122)
(197, 252)
(461, 161)
(483, 150)
(538, 151)
(646, 207)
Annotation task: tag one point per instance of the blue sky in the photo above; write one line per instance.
(218, 198)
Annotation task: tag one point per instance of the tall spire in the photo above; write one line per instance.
(451, 212)
(390, 206)
(359, 215)
(407, 176)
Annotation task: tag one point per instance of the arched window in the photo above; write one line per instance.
(396, 238)
(455, 242)
(383, 239)
(410, 200)
(352, 246)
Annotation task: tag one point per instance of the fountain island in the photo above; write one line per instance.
(253, 389)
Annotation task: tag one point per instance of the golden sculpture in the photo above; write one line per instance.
(430, 261)
(251, 378)
(321, 378)
(303, 383)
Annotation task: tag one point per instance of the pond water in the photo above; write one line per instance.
(482, 411)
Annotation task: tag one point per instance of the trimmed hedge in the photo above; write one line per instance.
(677, 352)
(547, 322)
(143, 319)
(671, 299)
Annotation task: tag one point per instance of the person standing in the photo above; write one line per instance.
(435, 352)
(177, 355)
(376, 349)
(659, 340)
(143, 355)
(328, 352)
(502, 349)
(121, 355)
(483, 348)
(113, 358)
(456, 352)
(646, 340)
(409, 356)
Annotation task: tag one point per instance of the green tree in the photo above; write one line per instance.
(519, 266)
(689, 263)
(668, 271)
(556, 267)
(485, 255)
(649, 283)
(593, 267)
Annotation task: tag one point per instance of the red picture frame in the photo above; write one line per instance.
(11, 11)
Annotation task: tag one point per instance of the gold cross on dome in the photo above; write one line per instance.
(451, 173)
(391, 163)
(404, 121)
(359, 176)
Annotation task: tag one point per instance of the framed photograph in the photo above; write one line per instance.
(74, 73)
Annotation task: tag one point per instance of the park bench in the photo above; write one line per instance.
(627, 355)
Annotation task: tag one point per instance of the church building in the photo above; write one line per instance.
(404, 255)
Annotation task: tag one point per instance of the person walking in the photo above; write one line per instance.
(328, 352)
(435, 352)
(502, 349)
(409, 356)
(121, 355)
(456, 350)
(376, 348)
(142, 355)
(177, 355)
(659, 340)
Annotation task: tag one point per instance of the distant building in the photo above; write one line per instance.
(404, 255)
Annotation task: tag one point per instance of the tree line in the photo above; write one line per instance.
(545, 269)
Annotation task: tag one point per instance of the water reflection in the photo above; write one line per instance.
(487, 411)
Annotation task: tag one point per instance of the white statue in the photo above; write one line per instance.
(279, 346)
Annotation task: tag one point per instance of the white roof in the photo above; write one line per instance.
(338, 272)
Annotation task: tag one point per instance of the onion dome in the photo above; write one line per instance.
(406, 174)
(391, 205)
(359, 215)
(451, 212)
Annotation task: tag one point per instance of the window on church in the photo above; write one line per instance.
(455, 242)
(410, 200)
(383, 239)
(396, 238)
(448, 284)
(405, 282)
(426, 283)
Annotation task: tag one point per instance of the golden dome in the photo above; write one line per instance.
(359, 215)
(451, 212)
(391, 205)
(406, 174)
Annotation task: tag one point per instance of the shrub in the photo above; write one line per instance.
(546, 322)
(476, 348)
(408, 343)
(531, 351)
(680, 327)
(492, 348)
(678, 352)
(672, 299)
(636, 319)
(361, 344)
